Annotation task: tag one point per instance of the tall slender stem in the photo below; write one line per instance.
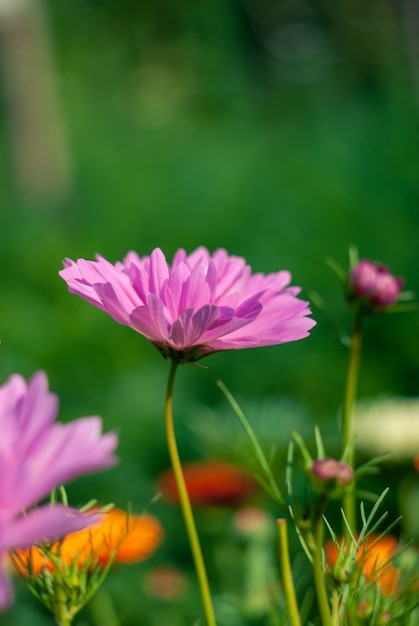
(349, 504)
(286, 572)
(185, 502)
(318, 573)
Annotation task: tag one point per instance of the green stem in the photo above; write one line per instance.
(335, 607)
(185, 502)
(318, 573)
(349, 504)
(287, 579)
(62, 617)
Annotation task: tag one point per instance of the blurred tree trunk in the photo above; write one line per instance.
(371, 39)
(410, 10)
(40, 156)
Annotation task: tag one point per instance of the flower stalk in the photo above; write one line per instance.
(349, 504)
(62, 613)
(318, 571)
(286, 572)
(185, 501)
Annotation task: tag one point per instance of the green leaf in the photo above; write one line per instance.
(255, 448)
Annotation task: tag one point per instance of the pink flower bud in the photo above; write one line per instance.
(363, 278)
(329, 469)
(386, 289)
(375, 284)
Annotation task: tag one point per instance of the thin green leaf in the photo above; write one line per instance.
(345, 521)
(331, 531)
(377, 505)
(308, 461)
(321, 454)
(254, 445)
(353, 256)
(318, 301)
(337, 269)
(403, 308)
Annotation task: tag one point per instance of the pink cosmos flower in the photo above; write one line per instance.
(37, 455)
(199, 304)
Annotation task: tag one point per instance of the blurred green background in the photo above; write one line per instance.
(284, 131)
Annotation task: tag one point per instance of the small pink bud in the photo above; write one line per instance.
(375, 284)
(330, 469)
(363, 277)
(386, 289)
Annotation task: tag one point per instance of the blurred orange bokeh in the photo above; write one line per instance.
(374, 558)
(209, 483)
(130, 538)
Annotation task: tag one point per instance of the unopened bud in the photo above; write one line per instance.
(374, 284)
(386, 290)
(327, 470)
(363, 277)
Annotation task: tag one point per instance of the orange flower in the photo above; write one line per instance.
(416, 462)
(133, 537)
(374, 558)
(209, 483)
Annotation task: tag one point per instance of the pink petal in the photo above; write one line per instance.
(6, 590)
(142, 322)
(65, 452)
(44, 524)
(179, 335)
(159, 271)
